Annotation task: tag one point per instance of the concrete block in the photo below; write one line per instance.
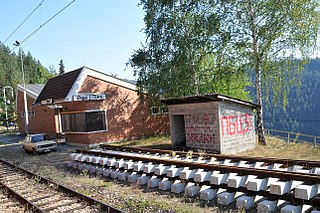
(207, 193)
(306, 192)
(83, 158)
(143, 179)
(282, 187)
(257, 184)
(75, 156)
(161, 169)
(237, 181)
(291, 209)
(106, 172)
(123, 175)
(79, 166)
(103, 161)
(150, 168)
(128, 165)
(165, 184)
(111, 162)
(174, 171)
(187, 173)
(87, 167)
(69, 164)
(202, 176)
(267, 206)
(219, 178)
(245, 202)
(114, 173)
(99, 170)
(306, 208)
(138, 166)
(271, 205)
(89, 158)
(95, 159)
(154, 182)
(92, 169)
(226, 198)
(119, 163)
(178, 187)
(192, 190)
(133, 177)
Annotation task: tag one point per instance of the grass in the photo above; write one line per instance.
(275, 148)
(280, 149)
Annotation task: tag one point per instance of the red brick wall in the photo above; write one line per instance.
(44, 120)
(126, 116)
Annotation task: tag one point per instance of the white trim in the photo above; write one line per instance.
(85, 72)
(29, 92)
(112, 80)
(76, 85)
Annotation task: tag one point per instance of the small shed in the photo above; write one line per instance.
(212, 122)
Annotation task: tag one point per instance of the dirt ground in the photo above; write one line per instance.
(128, 197)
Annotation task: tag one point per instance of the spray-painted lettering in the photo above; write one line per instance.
(236, 124)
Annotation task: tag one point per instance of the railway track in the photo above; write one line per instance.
(263, 184)
(39, 194)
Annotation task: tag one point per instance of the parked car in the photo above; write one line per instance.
(37, 143)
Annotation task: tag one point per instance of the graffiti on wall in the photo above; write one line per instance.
(236, 124)
(199, 127)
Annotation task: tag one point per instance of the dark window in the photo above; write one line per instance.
(84, 122)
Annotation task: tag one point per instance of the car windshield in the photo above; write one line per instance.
(37, 138)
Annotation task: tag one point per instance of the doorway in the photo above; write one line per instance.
(178, 131)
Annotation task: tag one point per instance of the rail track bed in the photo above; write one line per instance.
(259, 184)
(39, 194)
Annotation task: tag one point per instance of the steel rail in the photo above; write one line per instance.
(305, 177)
(28, 204)
(282, 175)
(103, 206)
(285, 161)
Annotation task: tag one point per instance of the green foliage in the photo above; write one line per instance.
(11, 75)
(61, 67)
(184, 51)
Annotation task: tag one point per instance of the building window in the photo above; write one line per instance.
(84, 121)
(155, 110)
(164, 110)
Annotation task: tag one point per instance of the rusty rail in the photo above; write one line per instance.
(282, 175)
(284, 161)
(103, 206)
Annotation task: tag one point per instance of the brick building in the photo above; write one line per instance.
(91, 107)
(212, 122)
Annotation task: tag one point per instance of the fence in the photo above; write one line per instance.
(294, 136)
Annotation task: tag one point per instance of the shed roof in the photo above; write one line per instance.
(207, 98)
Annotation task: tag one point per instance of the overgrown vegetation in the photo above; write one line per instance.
(11, 75)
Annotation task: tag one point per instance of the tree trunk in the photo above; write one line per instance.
(261, 136)
(256, 58)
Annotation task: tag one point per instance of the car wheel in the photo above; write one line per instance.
(34, 151)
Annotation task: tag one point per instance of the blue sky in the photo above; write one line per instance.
(97, 33)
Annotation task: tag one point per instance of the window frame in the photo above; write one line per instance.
(85, 111)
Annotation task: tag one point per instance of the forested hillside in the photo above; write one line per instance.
(302, 114)
(11, 75)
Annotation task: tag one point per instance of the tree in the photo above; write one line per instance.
(181, 56)
(190, 43)
(61, 67)
(267, 35)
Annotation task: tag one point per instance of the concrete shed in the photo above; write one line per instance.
(212, 122)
